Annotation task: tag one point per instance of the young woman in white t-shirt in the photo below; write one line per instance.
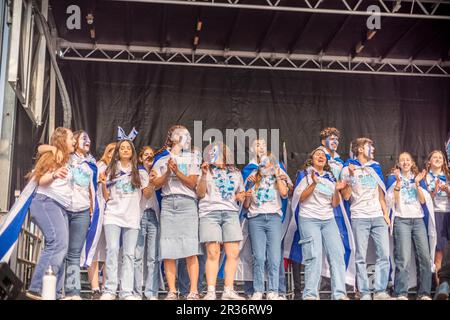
(79, 210)
(123, 186)
(100, 250)
(48, 209)
(177, 170)
(438, 183)
(409, 228)
(319, 195)
(265, 225)
(148, 240)
(220, 189)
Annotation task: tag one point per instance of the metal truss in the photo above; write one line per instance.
(418, 9)
(252, 60)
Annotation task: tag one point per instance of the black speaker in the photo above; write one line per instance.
(10, 284)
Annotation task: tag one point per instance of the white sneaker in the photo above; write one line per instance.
(401, 298)
(257, 296)
(381, 296)
(153, 298)
(344, 298)
(108, 296)
(132, 297)
(210, 295)
(272, 296)
(311, 298)
(366, 297)
(424, 298)
(231, 295)
(283, 297)
(72, 298)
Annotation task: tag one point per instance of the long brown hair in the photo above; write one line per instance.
(444, 166)
(105, 159)
(47, 161)
(169, 143)
(111, 170)
(414, 167)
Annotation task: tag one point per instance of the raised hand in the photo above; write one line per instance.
(314, 178)
(252, 178)
(172, 166)
(420, 177)
(249, 193)
(351, 169)
(152, 176)
(102, 178)
(205, 167)
(397, 175)
(340, 185)
(240, 196)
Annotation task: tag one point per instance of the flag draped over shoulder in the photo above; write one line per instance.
(428, 217)
(292, 245)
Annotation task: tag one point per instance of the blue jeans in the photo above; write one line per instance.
(51, 219)
(377, 228)
(265, 237)
(248, 285)
(148, 237)
(78, 227)
(183, 282)
(129, 240)
(406, 230)
(316, 233)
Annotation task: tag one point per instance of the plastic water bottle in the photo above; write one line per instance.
(49, 285)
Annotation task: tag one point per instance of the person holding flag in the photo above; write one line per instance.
(369, 216)
(123, 185)
(411, 212)
(220, 189)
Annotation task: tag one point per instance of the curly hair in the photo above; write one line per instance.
(329, 131)
(309, 161)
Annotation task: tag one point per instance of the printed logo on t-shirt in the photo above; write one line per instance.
(183, 167)
(266, 191)
(224, 183)
(432, 186)
(409, 195)
(124, 187)
(80, 177)
(336, 169)
(324, 189)
(367, 181)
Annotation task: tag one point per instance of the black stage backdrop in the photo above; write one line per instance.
(398, 113)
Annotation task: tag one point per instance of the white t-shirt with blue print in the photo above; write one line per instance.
(188, 164)
(123, 207)
(319, 204)
(221, 188)
(365, 198)
(266, 199)
(81, 177)
(409, 205)
(441, 200)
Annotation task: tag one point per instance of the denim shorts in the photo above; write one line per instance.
(220, 226)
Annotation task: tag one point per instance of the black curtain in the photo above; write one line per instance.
(398, 113)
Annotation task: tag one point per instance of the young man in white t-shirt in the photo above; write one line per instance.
(369, 216)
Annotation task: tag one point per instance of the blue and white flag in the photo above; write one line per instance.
(292, 244)
(428, 217)
(95, 227)
(13, 221)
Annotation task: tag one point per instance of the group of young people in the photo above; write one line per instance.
(183, 215)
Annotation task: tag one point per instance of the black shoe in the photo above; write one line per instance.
(297, 297)
(96, 294)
